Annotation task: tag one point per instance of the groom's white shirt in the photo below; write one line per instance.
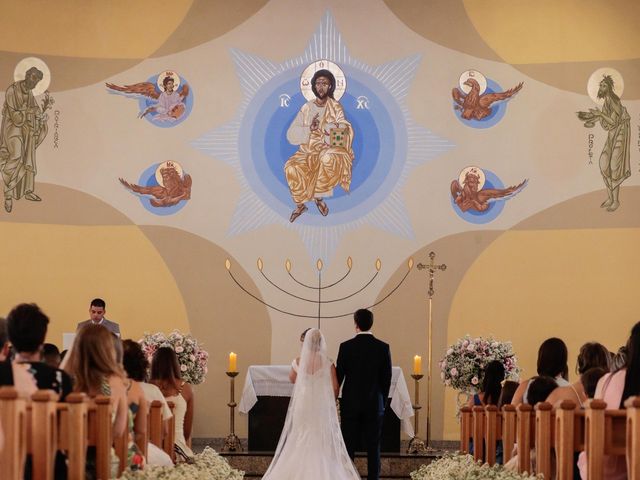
(368, 332)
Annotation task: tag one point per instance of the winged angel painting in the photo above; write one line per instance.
(469, 193)
(166, 101)
(171, 185)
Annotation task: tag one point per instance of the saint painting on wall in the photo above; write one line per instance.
(325, 156)
(24, 128)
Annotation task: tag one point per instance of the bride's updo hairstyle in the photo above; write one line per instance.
(315, 342)
(363, 319)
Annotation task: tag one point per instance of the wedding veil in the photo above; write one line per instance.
(311, 439)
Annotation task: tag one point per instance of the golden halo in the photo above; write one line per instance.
(168, 73)
(596, 77)
(25, 64)
(476, 171)
(168, 163)
(477, 76)
(307, 75)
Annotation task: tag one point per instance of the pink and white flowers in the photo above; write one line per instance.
(191, 356)
(463, 364)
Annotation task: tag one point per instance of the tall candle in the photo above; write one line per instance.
(233, 362)
(417, 365)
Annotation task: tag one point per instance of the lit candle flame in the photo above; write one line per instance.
(287, 265)
(319, 264)
(260, 264)
(227, 264)
(378, 264)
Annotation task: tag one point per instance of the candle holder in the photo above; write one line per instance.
(232, 442)
(417, 446)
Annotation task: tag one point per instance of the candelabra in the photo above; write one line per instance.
(232, 442)
(319, 288)
(416, 445)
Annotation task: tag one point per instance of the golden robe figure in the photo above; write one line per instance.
(325, 156)
(24, 127)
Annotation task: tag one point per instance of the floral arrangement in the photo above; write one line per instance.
(207, 464)
(463, 365)
(463, 467)
(191, 356)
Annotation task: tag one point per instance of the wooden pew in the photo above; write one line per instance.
(632, 405)
(13, 417)
(42, 433)
(155, 423)
(72, 433)
(99, 434)
(466, 425)
(524, 433)
(508, 431)
(478, 432)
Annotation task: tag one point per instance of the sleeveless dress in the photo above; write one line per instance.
(183, 452)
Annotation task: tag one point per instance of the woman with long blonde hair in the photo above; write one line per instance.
(93, 366)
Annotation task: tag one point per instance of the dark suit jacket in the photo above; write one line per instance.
(364, 363)
(113, 327)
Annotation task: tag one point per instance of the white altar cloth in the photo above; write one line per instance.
(273, 381)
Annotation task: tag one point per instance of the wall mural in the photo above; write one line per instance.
(163, 188)
(479, 101)
(293, 144)
(605, 88)
(24, 128)
(165, 100)
(478, 194)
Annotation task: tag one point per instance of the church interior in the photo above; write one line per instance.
(468, 168)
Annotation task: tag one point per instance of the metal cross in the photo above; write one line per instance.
(431, 270)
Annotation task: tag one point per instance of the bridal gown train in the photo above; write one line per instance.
(311, 445)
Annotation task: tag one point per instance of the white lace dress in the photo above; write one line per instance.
(311, 445)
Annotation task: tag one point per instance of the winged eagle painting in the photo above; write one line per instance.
(476, 105)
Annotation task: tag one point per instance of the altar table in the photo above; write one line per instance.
(265, 398)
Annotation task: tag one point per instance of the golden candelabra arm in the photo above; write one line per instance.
(232, 442)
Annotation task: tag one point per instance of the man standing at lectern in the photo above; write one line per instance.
(364, 363)
(97, 309)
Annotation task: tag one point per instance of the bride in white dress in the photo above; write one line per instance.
(311, 445)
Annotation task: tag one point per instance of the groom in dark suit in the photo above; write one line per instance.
(364, 363)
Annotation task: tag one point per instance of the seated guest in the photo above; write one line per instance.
(619, 359)
(51, 355)
(27, 327)
(491, 385)
(136, 365)
(592, 355)
(614, 388)
(165, 373)
(552, 362)
(92, 364)
(540, 388)
(590, 379)
(13, 373)
(490, 394)
(509, 388)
